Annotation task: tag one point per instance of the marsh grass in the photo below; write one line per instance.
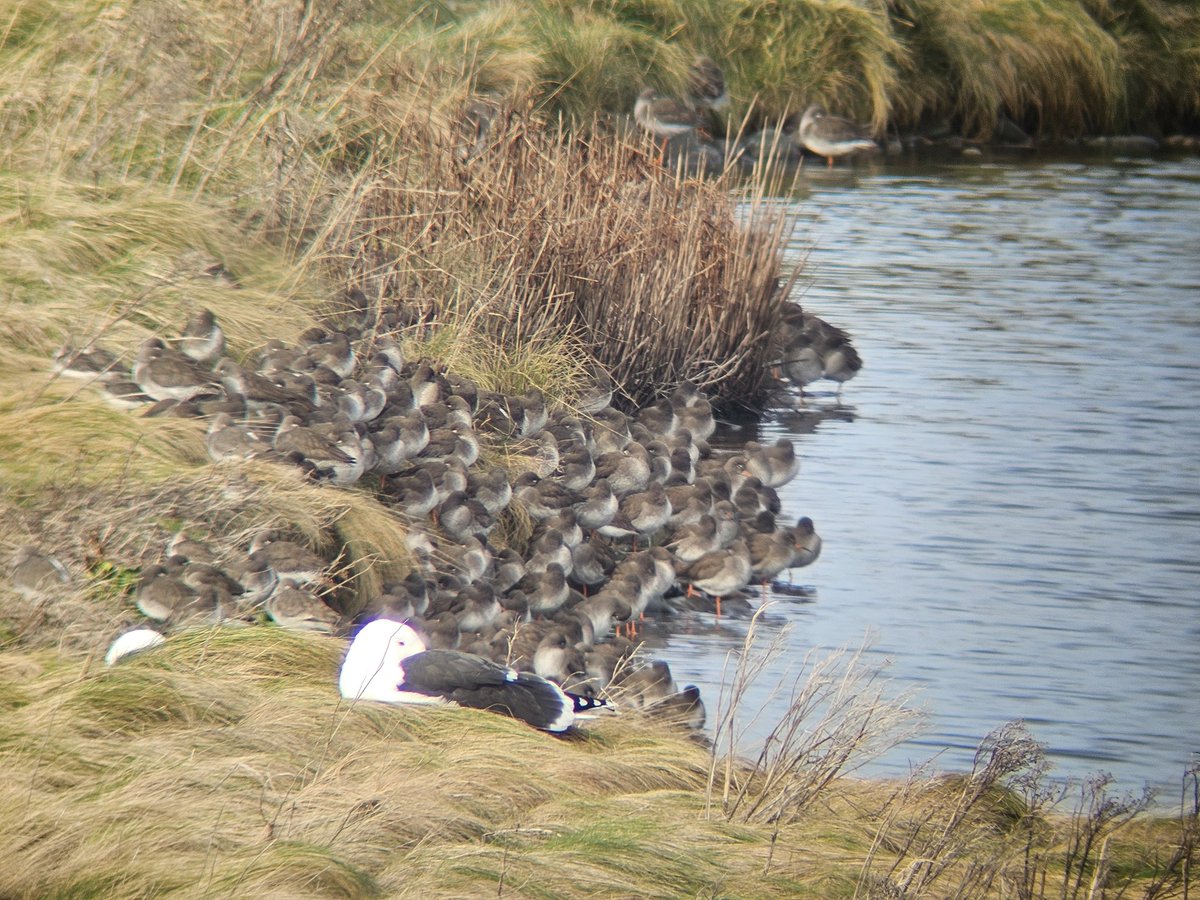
(550, 245)
(1060, 67)
(225, 761)
(1048, 65)
(1158, 44)
(276, 763)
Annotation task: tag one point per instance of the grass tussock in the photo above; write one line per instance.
(548, 247)
(1046, 64)
(89, 443)
(224, 760)
(1159, 46)
(114, 265)
(784, 56)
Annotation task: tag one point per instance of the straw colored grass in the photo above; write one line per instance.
(831, 716)
(552, 245)
(275, 763)
(1045, 63)
(225, 761)
(112, 267)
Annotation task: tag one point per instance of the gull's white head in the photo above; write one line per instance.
(372, 669)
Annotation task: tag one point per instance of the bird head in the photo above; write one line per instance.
(373, 667)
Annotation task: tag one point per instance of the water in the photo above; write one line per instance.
(1010, 496)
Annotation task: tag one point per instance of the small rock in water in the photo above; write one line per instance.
(1183, 142)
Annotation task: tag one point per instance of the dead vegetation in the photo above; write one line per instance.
(224, 761)
(546, 238)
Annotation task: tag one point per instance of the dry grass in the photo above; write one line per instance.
(1006, 828)
(224, 761)
(829, 717)
(549, 245)
(288, 791)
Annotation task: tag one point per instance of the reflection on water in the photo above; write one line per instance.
(1010, 498)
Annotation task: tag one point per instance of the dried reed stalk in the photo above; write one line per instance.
(831, 718)
(537, 234)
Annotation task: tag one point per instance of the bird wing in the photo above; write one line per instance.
(833, 128)
(447, 671)
(530, 698)
(478, 683)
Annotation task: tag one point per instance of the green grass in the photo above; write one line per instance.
(1044, 63)
(1159, 47)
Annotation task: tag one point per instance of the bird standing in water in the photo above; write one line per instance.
(830, 136)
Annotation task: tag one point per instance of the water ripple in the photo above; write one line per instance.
(1012, 504)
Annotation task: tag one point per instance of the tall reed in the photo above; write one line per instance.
(547, 236)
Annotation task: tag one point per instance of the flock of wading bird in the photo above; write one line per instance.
(678, 117)
(633, 516)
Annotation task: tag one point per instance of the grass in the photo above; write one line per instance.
(287, 791)
(1059, 67)
(1157, 43)
(1046, 64)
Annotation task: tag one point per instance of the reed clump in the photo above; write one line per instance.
(537, 239)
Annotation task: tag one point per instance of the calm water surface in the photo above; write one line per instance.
(1010, 493)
